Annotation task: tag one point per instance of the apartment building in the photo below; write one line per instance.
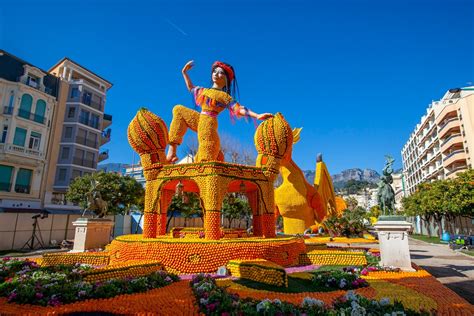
(82, 128)
(442, 143)
(28, 100)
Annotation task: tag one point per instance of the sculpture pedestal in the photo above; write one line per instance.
(393, 241)
(91, 233)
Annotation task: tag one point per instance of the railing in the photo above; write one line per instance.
(87, 100)
(107, 117)
(22, 188)
(5, 186)
(31, 116)
(104, 155)
(446, 123)
(450, 137)
(453, 153)
(86, 141)
(456, 169)
(89, 122)
(7, 110)
(84, 162)
(21, 150)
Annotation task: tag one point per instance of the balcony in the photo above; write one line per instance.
(86, 98)
(86, 142)
(31, 116)
(7, 110)
(105, 136)
(451, 141)
(5, 186)
(107, 121)
(18, 150)
(455, 169)
(447, 125)
(104, 155)
(448, 110)
(84, 162)
(22, 188)
(89, 122)
(455, 156)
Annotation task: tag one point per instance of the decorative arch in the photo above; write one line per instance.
(40, 111)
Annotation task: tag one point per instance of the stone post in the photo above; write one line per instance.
(393, 241)
(91, 233)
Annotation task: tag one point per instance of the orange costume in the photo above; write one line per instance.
(212, 102)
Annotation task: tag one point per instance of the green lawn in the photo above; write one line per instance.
(432, 240)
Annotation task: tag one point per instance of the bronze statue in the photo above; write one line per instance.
(386, 194)
(95, 203)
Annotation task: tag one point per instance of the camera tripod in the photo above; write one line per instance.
(36, 235)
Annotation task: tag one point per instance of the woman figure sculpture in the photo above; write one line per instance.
(212, 101)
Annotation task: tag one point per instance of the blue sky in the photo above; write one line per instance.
(356, 75)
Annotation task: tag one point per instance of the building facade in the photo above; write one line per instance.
(442, 143)
(82, 128)
(28, 99)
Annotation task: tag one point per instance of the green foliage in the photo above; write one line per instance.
(356, 186)
(346, 279)
(374, 211)
(186, 204)
(350, 224)
(120, 193)
(351, 203)
(235, 207)
(448, 198)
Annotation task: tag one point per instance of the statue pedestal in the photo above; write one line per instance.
(91, 233)
(393, 241)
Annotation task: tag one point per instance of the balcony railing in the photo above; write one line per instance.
(104, 155)
(461, 167)
(21, 150)
(87, 99)
(107, 120)
(22, 188)
(453, 153)
(84, 162)
(89, 122)
(5, 186)
(7, 110)
(450, 137)
(31, 116)
(446, 123)
(86, 141)
(105, 137)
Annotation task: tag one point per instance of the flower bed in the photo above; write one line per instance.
(333, 257)
(259, 270)
(25, 282)
(215, 300)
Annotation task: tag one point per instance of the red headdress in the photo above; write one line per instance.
(227, 68)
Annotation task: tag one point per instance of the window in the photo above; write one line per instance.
(68, 132)
(20, 137)
(35, 141)
(4, 134)
(5, 177)
(40, 111)
(86, 98)
(71, 112)
(81, 136)
(75, 93)
(11, 102)
(32, 81)
(25, 106)
(84, 117)
(62, 174)
(65, 153)
(94, 121)
(75, 174)
(23, 180)
(89, 161)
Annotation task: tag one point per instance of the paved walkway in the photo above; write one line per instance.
(454, 270)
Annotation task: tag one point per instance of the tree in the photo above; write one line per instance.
(351, 203)
(186, 204)
(121, 193)
(235, 207)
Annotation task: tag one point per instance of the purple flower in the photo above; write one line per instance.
(12, 296)
(39, 295)
(364, 271)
